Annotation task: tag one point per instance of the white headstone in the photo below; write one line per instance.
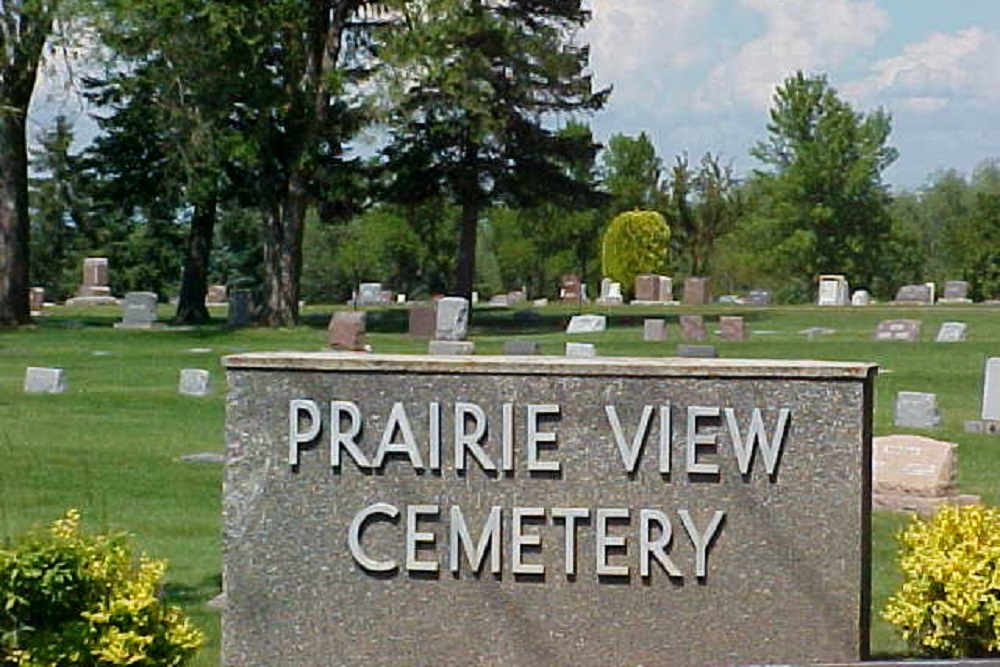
(452, 318)
(991, 390)
(579, 324)
(833, 291)
(916, 409)
(369, 294)
(195, 382)
(951, 332)
(861, 297)
(44, 380)
(580, 350)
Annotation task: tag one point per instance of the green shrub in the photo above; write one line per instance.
(73, 599)
(949, 602)
(635, 243)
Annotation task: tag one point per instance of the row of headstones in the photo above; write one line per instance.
(834, 290)
(42, 380)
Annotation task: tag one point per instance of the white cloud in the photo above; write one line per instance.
(801, 35)
(932, 74)
(636, 43)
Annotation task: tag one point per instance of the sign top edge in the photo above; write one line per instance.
(553, 365)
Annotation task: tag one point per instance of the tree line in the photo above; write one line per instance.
(228, 153)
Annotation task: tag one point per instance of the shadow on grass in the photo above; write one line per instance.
(190, 596)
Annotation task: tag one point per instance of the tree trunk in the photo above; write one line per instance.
(465, 278)
(191, 308)
(15, 308)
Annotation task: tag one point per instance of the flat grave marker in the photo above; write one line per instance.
(195, 382)
(39, 380)
(916, 409)
(951, 332)
(907, 331)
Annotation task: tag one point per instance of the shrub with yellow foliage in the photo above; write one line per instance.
(67, 598)
(949, 602)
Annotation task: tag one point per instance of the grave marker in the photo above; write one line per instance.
(452, 321)
(422, 321)
(951, 332)
(583, 324)
(834, 290)
(138, 311)
(581, 350)
(732, 328)
(451, 347)
(36, 299)
(346, 330)
(545, 511)
(696, 292)
(916, 409)
(693, 328)
(697, 351)
(94, 290)
(195, 382)
(955, 291)
(914, 473)
(520, 347)
(39, 380)
(241, 308)
(907, 331)
(654, 331)
(916, 294)
(861, 297)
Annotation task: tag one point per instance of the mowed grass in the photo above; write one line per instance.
(111, 445)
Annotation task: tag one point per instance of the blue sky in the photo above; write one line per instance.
(698, 75)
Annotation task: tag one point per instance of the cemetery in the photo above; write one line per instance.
(128, 424)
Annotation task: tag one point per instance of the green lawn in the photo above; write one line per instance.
(111, 444)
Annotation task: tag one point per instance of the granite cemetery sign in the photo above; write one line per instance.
(546, 511)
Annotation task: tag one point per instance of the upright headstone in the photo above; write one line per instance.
(38, 380)
(216, 295)
(696, 292)
(915, 474)
(584, 324)
(916, 409)
(693, 328)
(732, 328)
(139, 311)
(195, 382)
(241, 308)
(907, 331)
(653, 289)
(346, 330)
(951, 332)
(834, 290)
(94, 290)
(916, 294)
(759, 297)
(654, 330)
(521, 512)
(36, 299)
(369, 294)
(991, 390)
(570, 292)
(452, 321)
(516, 297)
(955, 291)
(422, 321)
(520, 347)
(861, 297)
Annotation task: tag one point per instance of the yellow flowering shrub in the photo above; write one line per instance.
(635, 242)
(67, 598)
(949, 602)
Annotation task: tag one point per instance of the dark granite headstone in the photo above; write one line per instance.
(384, 510)
(241, 308)
(917, 294)
(902, 330)
(693, 328)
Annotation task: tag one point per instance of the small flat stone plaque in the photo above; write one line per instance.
(584, 324)
(907, 331)
(697, 351)
(195, 382)
(581, 350)
(451, 347)
(951, 332)
(520, 347)
(38, 380)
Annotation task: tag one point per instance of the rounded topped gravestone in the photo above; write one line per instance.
(545, 510)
